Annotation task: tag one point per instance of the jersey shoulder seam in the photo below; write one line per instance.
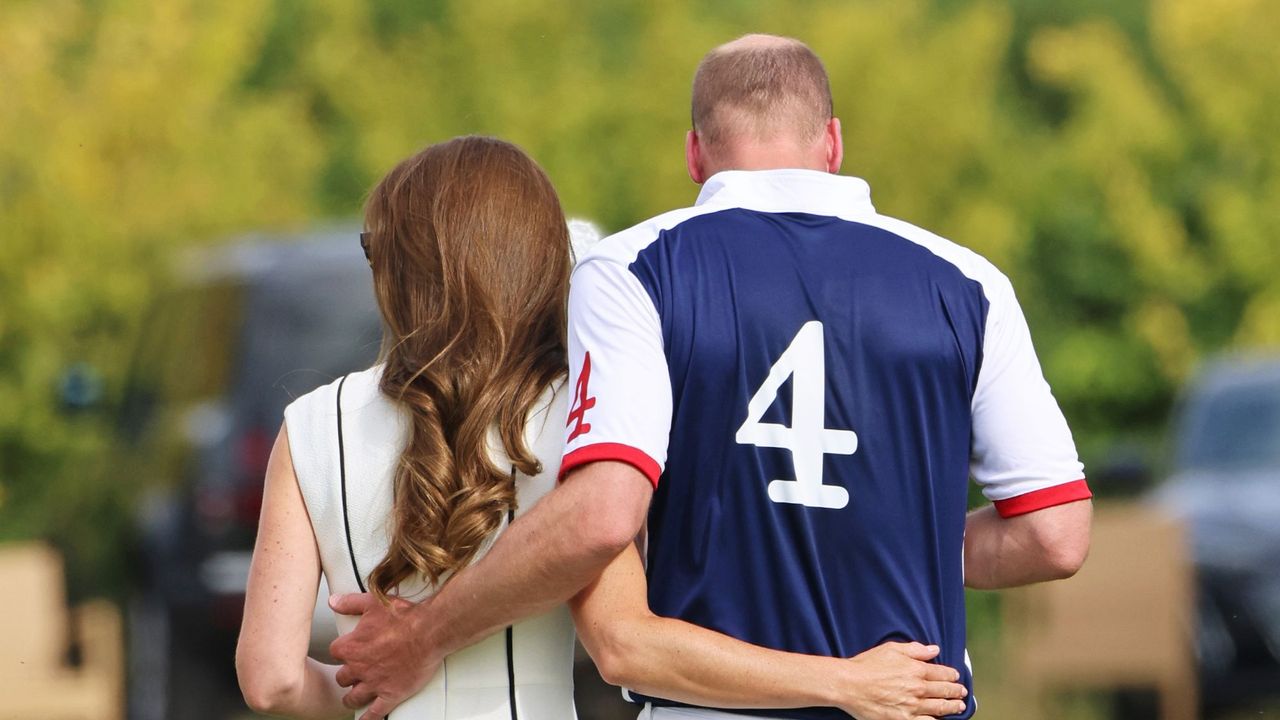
(969, 262)
(625, 246)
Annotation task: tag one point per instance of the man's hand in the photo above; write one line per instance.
(895, 681)
(385, 659)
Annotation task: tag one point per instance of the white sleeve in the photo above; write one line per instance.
(1023, 454)
(620, 406)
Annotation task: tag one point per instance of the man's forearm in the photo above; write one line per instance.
(543, 559)
(1048, 544)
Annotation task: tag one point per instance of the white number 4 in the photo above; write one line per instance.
(807, 439)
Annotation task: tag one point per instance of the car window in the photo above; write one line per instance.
(303, 330)
(1236, 428)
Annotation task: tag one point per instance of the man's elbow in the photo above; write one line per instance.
(1066, 559)
(606, 534)
(1065, 546)
(614, 507)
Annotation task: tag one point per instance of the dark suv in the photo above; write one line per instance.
(244, 329)
(1226, 489)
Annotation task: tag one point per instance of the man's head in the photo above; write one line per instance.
(762, 102)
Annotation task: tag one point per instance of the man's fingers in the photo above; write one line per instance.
(345, 676)
(338, 648)
(378, 710)
(359, 696)
(917, 651)
(352, 603)
(944, 690)
(941, 673)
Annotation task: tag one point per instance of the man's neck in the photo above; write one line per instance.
(769, 156)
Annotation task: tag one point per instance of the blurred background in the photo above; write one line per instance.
(180, 187)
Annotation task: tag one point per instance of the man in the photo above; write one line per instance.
(793, 390)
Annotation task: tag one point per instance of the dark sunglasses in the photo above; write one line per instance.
(364, 245)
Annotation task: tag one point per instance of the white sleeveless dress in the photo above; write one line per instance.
(525, 673)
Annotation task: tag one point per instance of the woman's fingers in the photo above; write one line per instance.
(945, 690)
(941, 708)
(918, 651)
(941, 673)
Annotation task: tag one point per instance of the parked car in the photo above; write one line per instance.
(1225, 487)
(243, 330)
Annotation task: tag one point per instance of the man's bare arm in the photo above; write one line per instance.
(1048, 544)
(543, 559)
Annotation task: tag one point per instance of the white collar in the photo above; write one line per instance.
(788, 190)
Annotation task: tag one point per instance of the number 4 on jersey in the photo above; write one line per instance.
(807, 439)
(581, 402)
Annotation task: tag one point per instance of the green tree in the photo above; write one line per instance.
(124, 132)
(1118, 161)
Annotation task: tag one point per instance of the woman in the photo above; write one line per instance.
(391, 479)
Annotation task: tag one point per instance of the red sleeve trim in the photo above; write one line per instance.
(1044, 498)
(611, 451)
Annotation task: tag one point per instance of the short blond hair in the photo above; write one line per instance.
(760, 87)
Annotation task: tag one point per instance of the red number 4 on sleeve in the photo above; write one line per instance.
(581, 402)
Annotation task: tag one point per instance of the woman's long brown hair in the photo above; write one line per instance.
(470, 257)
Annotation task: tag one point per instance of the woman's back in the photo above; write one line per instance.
(532, 662)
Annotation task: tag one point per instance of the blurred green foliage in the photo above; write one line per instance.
(1120, 161)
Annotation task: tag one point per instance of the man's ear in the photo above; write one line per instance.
(693, 158)
(835, 145)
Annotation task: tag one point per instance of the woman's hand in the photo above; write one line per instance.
(896, 681)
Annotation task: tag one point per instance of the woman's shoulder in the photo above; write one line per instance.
(366, 440)
(312, 418)
(357, 388)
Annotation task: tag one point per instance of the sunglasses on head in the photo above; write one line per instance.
(364, 245)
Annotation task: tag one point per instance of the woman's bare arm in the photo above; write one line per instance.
(680, 661)
(276, 676)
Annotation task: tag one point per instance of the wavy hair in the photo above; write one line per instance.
(470, 256)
